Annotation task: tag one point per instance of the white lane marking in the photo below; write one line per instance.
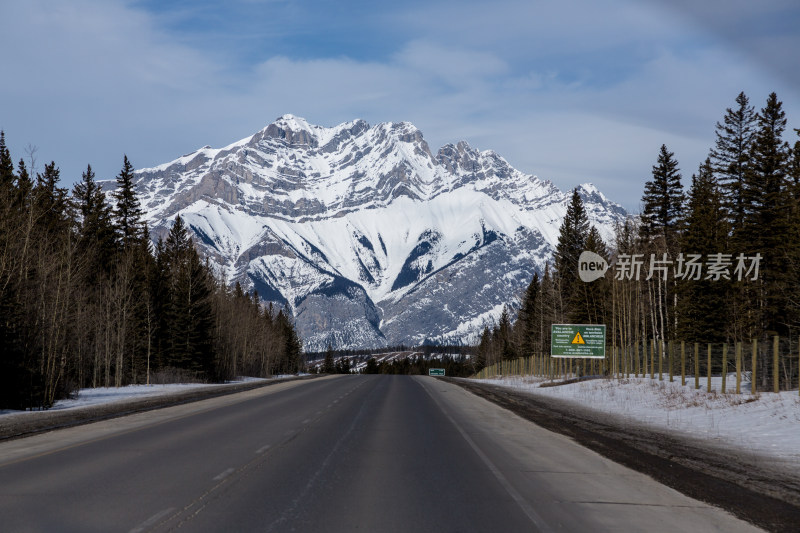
(263, 449)
(292, 509)
(523, 504)
(223, 475)
(152, 520)
(306, 421)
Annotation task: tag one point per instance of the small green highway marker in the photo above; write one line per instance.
(436, 371)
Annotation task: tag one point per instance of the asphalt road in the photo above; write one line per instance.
(345, 453)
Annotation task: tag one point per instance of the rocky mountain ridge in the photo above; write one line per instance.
(367, 236)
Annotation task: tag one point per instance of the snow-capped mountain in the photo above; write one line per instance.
(368, 237)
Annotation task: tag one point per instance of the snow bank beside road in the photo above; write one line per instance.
(92, 405)
(766, 423)
(104, 395)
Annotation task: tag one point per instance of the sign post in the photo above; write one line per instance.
(578, 340)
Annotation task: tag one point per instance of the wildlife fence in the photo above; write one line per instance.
(759, 365)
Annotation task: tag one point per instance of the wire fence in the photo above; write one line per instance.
(765, 365)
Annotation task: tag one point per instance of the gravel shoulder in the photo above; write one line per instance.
(759, 489)
(24, 424)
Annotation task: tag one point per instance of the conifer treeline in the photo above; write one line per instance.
(86, 300)
(719, 264)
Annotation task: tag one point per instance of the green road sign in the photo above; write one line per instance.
(436, 371)
(578, 340)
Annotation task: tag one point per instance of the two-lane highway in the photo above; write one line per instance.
(345, 453)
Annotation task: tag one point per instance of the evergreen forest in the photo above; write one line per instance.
(712, 259)
(86, 300)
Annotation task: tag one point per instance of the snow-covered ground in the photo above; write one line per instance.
(765, 423)
(102, 395)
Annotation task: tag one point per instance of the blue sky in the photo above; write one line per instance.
(573, 91)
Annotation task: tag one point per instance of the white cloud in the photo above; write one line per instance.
(573, 92)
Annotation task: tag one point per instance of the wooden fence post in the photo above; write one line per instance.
(683, 364)
(661, 360)
(776, 376)
(671, 349)
(708, 369)
(653, 359)
(738, 368)
(724, 366)
(753, 385)
(696, 366)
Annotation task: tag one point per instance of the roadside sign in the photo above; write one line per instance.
(436, 371)
(578, 340)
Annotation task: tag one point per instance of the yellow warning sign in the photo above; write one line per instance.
(578, 339)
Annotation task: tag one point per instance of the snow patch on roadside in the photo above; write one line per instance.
(104, 395)
(765, 423)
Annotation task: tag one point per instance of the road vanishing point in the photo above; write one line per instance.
(333, 454)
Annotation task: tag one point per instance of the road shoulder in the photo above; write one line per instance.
(748, 486)
(25, 424)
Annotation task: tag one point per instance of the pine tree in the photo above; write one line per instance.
(483, 357)
(662, 214)
(189, 317)
(96, 229)
(24, 186)
(731, 156)
(128, 212)
(704, 303)
(51, 200)
(6, 166)
(588, 300)
(178, 243)
(506, 344)
(527, 327)
(549, 310)
(571, 243)
(767, 211)
(14, 374)
(178, 312)
(328, 366)
(291, 358)
(793, 253)
(663, 200)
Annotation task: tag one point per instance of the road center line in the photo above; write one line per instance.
(152, 520)
(224, 474)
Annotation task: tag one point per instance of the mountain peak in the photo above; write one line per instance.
(293, 123)
(363, 233)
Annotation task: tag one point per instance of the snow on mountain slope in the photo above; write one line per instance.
(368, 237)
